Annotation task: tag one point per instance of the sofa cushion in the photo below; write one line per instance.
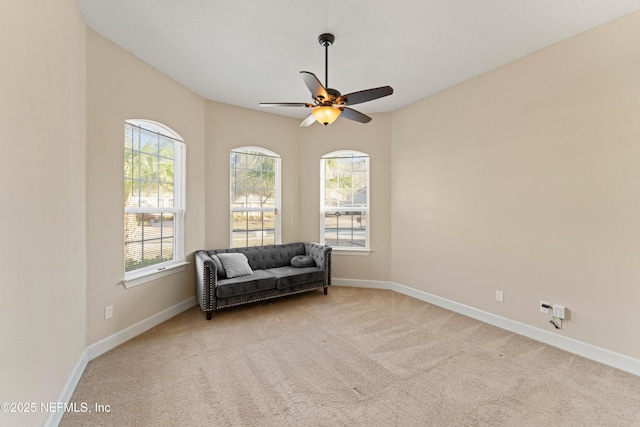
(235, 265)
(303, 261)
(260, 280)
(290, 276)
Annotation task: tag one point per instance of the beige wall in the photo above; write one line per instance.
(527, 180)
(42, 193)
(229, 127)
(374, 139)
(120, 87)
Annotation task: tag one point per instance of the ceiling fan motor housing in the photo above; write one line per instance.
(333, 93)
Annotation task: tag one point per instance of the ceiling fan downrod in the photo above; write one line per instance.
(326, 40)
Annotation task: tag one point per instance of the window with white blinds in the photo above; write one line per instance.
(154, 163)
(344, 200)
(254, 197)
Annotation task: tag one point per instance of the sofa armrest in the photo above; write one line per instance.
(322, 256)
(318, 252)
(206, 281)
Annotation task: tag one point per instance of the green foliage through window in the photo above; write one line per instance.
(150, 198)
(345, 200)
(253, 198)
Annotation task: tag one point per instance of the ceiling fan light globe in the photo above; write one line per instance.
(326, 115)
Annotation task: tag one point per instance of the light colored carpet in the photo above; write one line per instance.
(356, 357)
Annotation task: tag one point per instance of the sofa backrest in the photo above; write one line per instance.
(263, 257)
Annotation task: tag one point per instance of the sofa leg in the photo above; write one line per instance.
(209, 315)
(326, 289)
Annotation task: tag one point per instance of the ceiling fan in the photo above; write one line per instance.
(328, 104)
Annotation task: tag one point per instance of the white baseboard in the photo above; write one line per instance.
(120, 337)
(55, 417)
(109, 343)
(589, 351)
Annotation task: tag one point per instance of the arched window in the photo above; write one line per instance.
(154, 202)
(254, 197)
(344, 200)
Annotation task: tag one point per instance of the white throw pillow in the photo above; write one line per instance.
(235, 264)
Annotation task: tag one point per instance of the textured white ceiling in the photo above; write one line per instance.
(245, 52)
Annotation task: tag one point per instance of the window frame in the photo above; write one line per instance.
(348, 250)
(278, 179)
(178, 262)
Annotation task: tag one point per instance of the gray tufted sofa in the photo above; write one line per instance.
(273, 276)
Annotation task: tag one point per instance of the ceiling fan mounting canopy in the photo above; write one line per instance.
(326, 39)
(329, 103)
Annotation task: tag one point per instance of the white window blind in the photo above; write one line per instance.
(153, 198)
(344, 200)
(254, 197)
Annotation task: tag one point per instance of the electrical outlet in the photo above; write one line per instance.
(499, 296)
(544, 309)
(108, 312)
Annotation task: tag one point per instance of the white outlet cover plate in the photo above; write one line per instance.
(542, 309)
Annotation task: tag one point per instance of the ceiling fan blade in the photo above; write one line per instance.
(364, 95)
(308, 121)
(286, 104)
(315, 87)
(351, 114)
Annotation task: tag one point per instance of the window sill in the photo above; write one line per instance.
(351, 252)
(136, 279)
